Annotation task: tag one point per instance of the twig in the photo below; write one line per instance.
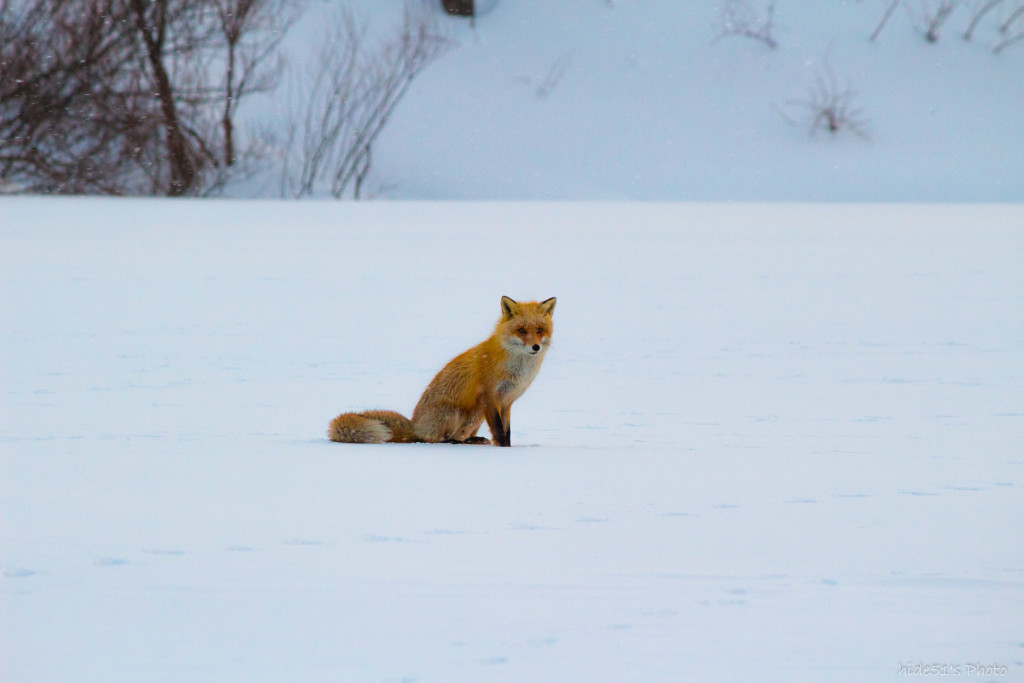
(885, 19)
(988, 7)
(1016, 14)
(740, 19)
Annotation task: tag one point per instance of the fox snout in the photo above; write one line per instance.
(536, 347)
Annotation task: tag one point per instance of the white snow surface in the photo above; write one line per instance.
(770, 443)
(643, 100)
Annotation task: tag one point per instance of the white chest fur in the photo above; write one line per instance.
(521, 369)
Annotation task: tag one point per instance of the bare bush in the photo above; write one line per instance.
(1010, 36)
(740, 18)
(830, 105)
(349, 94)
(932, 15)
(118, 96)
(63, 126)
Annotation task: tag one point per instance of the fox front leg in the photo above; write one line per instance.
(499, 432)
(506, 420)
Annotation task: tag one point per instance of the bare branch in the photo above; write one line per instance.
(942, 13)
(251, 65)
(1011, 40)
(554, 76)
(350, 96)
(931, 16)
(152, 26)
(1014, 16)
(739, 18)
(885, 19)
(978, 16)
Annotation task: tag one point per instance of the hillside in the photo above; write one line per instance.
(589, 99)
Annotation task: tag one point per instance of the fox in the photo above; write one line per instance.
(478, 385)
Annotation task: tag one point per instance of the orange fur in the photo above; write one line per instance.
(372, 426)
(478, 385)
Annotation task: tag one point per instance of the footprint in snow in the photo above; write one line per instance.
(375, 538)
(732, 601)
(532, 527)
(542, 642)
(161, 551)
(494, 661)
(111, 562)
(19, 573)
(300, 542)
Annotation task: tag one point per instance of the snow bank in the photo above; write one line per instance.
(595, 100)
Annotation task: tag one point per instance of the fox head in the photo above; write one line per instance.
(526, 327)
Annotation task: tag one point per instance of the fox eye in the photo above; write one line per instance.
(540, 330)
(521, 330)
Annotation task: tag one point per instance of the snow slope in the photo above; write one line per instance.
(771, 442)
(637, 99)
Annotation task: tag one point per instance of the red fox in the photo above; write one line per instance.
(479, 384)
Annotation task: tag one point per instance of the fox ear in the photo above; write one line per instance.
(509, 308)
(547, 307)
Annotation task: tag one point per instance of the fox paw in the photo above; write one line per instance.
(473, 441)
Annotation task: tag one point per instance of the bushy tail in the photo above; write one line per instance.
(372, 426)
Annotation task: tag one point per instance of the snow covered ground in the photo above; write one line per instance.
(643, 100)
(770, 443)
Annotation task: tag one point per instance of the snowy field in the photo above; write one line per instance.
(770, 443)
